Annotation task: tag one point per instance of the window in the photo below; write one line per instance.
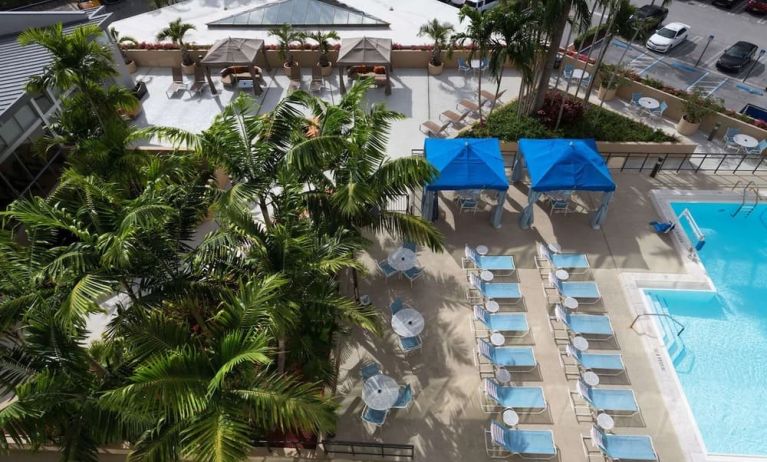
(44, 103)
(301, 13)
(10, 131)
(25, 116)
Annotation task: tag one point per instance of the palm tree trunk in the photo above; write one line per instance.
(479, 92)
(497, 89)
(265, 212)
(281, 354)
(551, 56)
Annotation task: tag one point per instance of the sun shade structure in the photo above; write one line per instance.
(301, 13)
(465, 163)
(364, 51)
(563, 165)
(234, 52)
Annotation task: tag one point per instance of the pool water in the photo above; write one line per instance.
(721, 357)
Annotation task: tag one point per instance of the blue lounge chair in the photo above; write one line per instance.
(370, 369)
(387, 269)
(586, 292)
(601, 363)
(758, 150)
(663, 227)
(575, 263)
(373, 416)
(520, 358)
(609, 400)
(529, 444)
(405, 397)
(528, 399)
(501, 292)
(623, 447)
(594, 325)
(396, 305)
(410, 344)
(500, 264)
(502, 322)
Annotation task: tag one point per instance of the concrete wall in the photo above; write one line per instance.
(641, 149)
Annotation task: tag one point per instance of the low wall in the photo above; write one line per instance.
(608, 147)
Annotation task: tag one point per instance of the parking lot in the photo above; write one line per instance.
(678, 67)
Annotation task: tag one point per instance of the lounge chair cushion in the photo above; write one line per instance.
(496, 262)
(502, 290)
(410, 343)
(590, 324)
(514, 356)
(630, 447)
(516, 322)
(521, 397)
(529, 442)
(599, 361)
(571, 260)
(586, 289)
(613, 399)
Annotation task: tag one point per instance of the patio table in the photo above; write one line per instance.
(591, 378)
(497, 339)
(380, 392)
(486, 275)
(562, 275)
(745, 141)
(580, 73)
(503, 375)
(482, 249)
(580, 343)
(245, 84)
(570, 303)
(510, 417)
(407, 322)
(649, 103)
(402, 259)
(492, 306)
(605, 421)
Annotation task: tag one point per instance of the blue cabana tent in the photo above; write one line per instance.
(465, 163)
(563, 165)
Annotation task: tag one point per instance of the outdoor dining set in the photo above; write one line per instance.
(647, 106)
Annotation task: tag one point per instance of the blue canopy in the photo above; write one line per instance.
(565, 164)
(466, 163)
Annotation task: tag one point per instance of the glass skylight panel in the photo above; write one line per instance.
(301, 13)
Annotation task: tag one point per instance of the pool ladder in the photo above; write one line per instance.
(745, 206)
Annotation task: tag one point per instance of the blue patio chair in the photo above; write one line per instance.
(572, 262)
(758, 149)
(623, 447)
(409, 245)
(663, 227)
(413, 273)
(370, 369)
(527, 444)
(567, 72)
(463, 66)
(405, 398)
(387, 270)
(634, 103)
(600, 363)
(500, 264)
(587, 325)
(658, 112)
(503, 322)
(527, 399)
(396, 305)
(484, 63)
(410, 344)
(501, 292)
(729, 139)
(609, 400)
(585, 292)
(520, 358)
(373, 416)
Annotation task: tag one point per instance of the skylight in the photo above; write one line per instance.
(301, 13)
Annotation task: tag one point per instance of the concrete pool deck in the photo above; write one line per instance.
(446, 421)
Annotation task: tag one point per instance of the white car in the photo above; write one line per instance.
(668, 36)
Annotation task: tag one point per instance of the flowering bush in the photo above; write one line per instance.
(572, 109)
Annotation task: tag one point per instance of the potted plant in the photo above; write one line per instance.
(287, 36)
(175, 32)
(695, 107)
(610, 78)
(324, 46)
(439, 32)
(119, 41)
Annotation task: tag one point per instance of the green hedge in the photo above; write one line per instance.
(600, 124)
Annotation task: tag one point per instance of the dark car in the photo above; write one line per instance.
(726, 3)
(757, 6)
(651, 16)
(735, 58)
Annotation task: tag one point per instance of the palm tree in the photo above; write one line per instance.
(175, 32)
(287, 37)
(440, 33)
(118, 39)
(479, 32)
(322, 39)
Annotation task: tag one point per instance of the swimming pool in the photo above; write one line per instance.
(721, 357)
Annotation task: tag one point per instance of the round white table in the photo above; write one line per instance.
(380, 392)
(492, 306)
(407, 322)
(402, 259)
(562, 275)
(554, 247)
(570, 303)
(482, 249)
(497, 339)
(580, 73)
(475, 63)
(745, 141)
(605, 422)
(649, 103)
(486, 275)
(590, 378)
(510, 417)
(503, 375)
(580, 343)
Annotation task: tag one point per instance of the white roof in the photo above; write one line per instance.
(404, 16)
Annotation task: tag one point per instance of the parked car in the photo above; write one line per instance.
(757, 6)
(667, 37)
(649, 16)
(726, 3)
(735, 58)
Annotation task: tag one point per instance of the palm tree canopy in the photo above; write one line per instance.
(175, 31)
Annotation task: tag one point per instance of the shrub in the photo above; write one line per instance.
(586, 38)
(553, 103)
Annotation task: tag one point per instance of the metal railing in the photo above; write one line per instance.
(355, 448)
(665, 315)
